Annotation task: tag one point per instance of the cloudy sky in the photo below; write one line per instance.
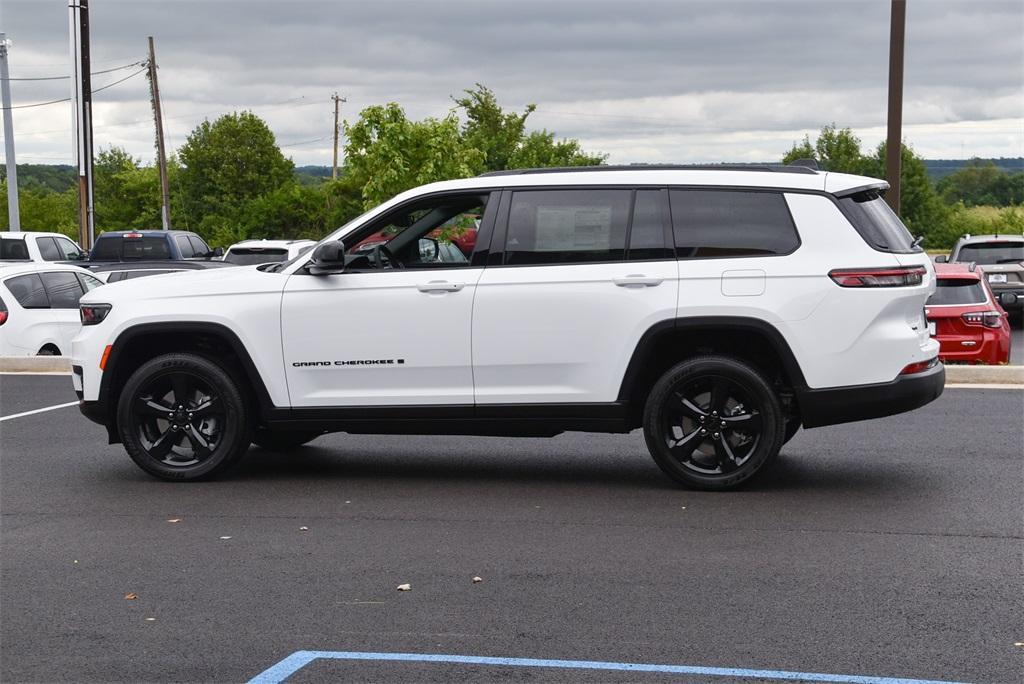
(681, 81)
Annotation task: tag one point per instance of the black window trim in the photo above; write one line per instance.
(777, 191)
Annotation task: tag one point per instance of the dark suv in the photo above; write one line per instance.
(149, 245)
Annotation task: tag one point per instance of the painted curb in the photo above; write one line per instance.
(956, 375)
(35, 364)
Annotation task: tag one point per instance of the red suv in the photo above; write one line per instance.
(965, 317)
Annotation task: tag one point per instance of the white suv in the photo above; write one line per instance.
(717, 308)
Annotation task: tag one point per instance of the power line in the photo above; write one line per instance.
(68, 99)
(61, 78)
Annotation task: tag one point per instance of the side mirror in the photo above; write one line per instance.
(1007, 299)
(217, 252)
(328, 258)
(430, 249)
(941, 259)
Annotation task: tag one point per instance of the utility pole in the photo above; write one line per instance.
(161, 156)
(894, 140)
(81, 102)
(337, 109)
(13, 214)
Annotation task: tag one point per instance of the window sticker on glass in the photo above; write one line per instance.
(562, 228)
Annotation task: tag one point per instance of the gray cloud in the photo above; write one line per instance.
(645, 81)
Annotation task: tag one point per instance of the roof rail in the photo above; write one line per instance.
(806, 163)
(776, 168)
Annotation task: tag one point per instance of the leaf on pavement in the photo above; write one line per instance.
(130, 596)
(404, 587)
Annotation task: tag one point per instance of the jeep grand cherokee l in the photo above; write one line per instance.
(719, 309)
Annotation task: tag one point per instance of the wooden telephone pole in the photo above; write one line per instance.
(337, 111)
(81, 102)
(894, 139)
(161, 156)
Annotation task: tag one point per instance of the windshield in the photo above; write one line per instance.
(957, 291)
(1002, 252)
(247, 257)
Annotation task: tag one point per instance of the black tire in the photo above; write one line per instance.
(182, 417)
(735, 406)
(282, 440)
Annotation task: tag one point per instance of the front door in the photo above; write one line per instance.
(394, 328)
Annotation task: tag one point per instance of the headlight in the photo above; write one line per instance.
(93, 313)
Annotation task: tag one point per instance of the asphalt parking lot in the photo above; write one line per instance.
(887, 549)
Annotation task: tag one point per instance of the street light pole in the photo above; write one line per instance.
(894, 139)
(13, 214)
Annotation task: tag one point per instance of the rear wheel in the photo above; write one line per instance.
(713, 422)
(282, 440)
(182, 417)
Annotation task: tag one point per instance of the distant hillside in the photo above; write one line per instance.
(56, 177)
(940, 168)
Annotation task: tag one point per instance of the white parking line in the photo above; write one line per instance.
(41, 410)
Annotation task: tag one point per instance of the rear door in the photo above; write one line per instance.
(575, 277)
(64, 289)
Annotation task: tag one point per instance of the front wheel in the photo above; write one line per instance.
(182, 417)
(713, 422)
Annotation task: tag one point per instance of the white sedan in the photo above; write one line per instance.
(39, 307)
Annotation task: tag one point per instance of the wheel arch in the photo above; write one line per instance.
(750, 339)
(139, 343)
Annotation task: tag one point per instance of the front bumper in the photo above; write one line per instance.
(834, 405)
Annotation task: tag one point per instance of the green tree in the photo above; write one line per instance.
(982, 183)
(227, 163)
(921, 208)
(387, 153)
(43, 210)
(502, 138)
(834, 150)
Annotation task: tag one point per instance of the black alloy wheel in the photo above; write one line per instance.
(182, 417)
(712, 422)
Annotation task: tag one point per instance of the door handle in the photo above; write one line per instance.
(440, 286)
(637, 280)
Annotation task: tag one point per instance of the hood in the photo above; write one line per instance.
(212, 282)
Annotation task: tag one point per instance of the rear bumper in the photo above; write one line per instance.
(834, 405)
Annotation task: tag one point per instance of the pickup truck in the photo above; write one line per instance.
(149, 245)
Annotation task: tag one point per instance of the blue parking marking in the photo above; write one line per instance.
(296, 661)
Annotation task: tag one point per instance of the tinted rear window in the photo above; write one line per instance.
(63, 289)
(728, 223)
(117, 248)
(992, 252)
(951, 291)
(28, 290)
(255, 256)
(876, 223)
(13, 249)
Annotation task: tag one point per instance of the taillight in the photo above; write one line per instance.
(989, 319)
(3, 317)
(878, 277)
(91, 314)
(920, 366)
(132, 236)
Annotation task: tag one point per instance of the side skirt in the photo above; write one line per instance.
(497, 420)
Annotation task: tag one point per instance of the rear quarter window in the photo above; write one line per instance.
(710, 224)
(880, 227)
(28, 290)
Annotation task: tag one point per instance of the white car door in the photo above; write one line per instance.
(558, 320)
(64, 289)
(384, 336)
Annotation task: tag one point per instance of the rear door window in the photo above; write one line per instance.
(184, 246)
(48, 249)
(876, 223)
(710, 224)
(567, 226)
(63, 289)
(957, 292)
(29, 291)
